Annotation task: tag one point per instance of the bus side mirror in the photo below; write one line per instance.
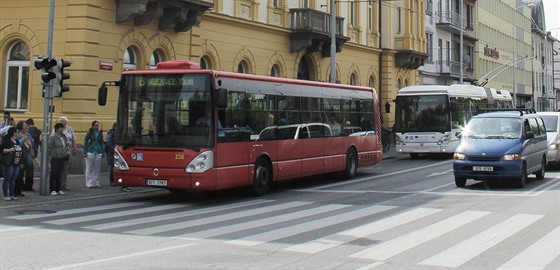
(102, 95)
(221, 98)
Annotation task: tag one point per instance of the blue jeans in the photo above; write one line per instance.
(10, 174)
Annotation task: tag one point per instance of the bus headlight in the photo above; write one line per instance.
(398, 141)
(443, 140)
(201, 163)
(120, 164)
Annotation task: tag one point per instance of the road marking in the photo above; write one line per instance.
(75, 211)
(468, 249)
(371, 266)
(400, 244)
(76, 265)
(261, 222)
(439, 173)
(123, 213)
(215, 219)
(157, 218)
(340, 238)
(541, 253)
(269, 236)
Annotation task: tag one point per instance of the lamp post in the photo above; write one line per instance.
(514, 35)
(333, 42)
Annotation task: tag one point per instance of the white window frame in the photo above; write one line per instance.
(21, 65)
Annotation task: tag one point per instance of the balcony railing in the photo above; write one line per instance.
(305, 19)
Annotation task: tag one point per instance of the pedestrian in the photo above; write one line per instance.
(110, 151)
(58, 149)
(71, 138)
(26, 168)
(11, 155)
(35, 135)
(10, 122)
(93, 153)
(5, 121)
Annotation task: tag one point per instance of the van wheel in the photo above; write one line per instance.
(540, 174)
(460, 181)
(351, 164)
(262, 178)
(522, 180)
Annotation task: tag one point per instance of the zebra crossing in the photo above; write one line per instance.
(303, 227)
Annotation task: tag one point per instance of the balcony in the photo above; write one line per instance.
(173, 15)
(453, 70)
(451, 22)
(311, 29)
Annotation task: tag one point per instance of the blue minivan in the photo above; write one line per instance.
(502, 144)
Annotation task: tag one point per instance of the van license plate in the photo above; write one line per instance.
(483, 168)
(159, 183)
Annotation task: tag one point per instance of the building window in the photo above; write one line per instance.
(353, 79)
(205, 62)
(129, 61)
(155, 59)
(304, 3)
(242, 67)
(470, 17)
(17, 77)
(353, 16)
(275, 71)
(430, 47)
(399, 25)
(276, 3)
(370, 15)
(371, 82)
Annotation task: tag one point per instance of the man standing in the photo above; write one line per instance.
(71, 138)
(58, 150)
(5, 122)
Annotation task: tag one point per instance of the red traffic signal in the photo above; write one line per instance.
(46, 65)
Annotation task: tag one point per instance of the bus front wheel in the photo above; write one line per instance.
(262, 178)
(351, 163)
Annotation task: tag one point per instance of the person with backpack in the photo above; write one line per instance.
(110, 151)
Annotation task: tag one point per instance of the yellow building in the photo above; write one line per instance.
(379, 44)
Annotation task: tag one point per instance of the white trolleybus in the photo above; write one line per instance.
(427, 117)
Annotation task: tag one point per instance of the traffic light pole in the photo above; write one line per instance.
(43, 187)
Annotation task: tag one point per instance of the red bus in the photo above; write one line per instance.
(185, 128)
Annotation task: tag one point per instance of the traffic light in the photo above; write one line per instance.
(60, 75)
(45, 64)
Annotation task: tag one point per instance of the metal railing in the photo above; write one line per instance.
(305, 19)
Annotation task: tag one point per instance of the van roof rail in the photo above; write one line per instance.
(520, 110)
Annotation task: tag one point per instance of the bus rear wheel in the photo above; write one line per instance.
(351, 163)
(262, 178)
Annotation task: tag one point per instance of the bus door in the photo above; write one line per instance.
(312, 156)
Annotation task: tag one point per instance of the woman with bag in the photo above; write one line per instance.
(93, 153)
(11, 155)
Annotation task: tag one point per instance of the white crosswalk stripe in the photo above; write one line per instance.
(400, 244)
(542, 253)
(76, 211)
(361, 231)
(262, 222)
(164, 217)
(468, 249)
(214, 219)
(257, 239)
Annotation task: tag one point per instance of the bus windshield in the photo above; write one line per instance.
(167, 110)
(422, 113)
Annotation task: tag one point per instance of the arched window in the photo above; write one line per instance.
(205, 62)
(242, 67)
(129, 61)
(275, 71)
(155, 59)
(371, 82)
(399, 84)
(303, 70)
(353, 79)
(17, 77)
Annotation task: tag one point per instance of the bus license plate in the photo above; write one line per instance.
(159, 183)
(483, 168)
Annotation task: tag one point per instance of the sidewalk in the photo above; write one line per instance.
(77, 191)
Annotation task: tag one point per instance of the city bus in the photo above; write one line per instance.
(427, 117)
(184, 128)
